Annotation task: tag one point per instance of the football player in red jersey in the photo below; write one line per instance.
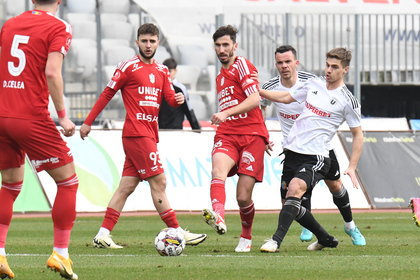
(33, 46)
(240, 139)
(142, 82)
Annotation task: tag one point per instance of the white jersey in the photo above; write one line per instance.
(286, 113)
(324, 111)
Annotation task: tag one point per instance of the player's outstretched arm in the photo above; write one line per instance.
(357, 146)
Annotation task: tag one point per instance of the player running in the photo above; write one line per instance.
(240, 139)
(328, 103)
(289, 80)
(142, 82)
(33, 46)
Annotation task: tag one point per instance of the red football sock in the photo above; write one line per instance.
(169, 218)
(8, 194)
(111, 218)
(64, 211)
(247, 217)
(218, 196)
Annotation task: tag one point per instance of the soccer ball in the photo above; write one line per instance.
(170, 242)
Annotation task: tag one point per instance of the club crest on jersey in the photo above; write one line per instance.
(152, 78)
(222, 81)
(333, 101)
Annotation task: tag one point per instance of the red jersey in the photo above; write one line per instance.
(26, 41)
(234, 85)
(142, 86)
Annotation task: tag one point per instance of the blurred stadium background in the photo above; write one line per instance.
(383, 35)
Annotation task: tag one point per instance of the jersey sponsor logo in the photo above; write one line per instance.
(237, 117)
(152, 78)
(149, 103)
(317, 111)
(144, 117)
(14, 84)
(287, 116)
(227, 104)
(149, 91)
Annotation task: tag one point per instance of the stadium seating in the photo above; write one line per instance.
(84, 29)
(117, 30)
(116, 54)
(161, 54)
(188, 75)
(76, 17)
(113, 6)
(16, 7)
(80, 6)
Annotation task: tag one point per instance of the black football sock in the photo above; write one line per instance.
(307, 220)
(342, 200)
(287, 215)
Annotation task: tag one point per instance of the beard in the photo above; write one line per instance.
(229, 56)
(147, 57)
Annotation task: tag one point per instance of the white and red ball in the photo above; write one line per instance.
(170, 242)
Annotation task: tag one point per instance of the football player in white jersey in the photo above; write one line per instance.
(289, 80)
(327, 104)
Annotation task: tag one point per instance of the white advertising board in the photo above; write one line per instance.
(186, 157)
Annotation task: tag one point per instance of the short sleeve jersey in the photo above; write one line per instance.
(26, 41)
(324, 111)
(142, 86)
(286, 113)
(234, 85)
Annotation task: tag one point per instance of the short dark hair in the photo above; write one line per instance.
(45, 1)
(286, 48)
(342, 54)
(148, 28)
(225, 30)
(170, 63)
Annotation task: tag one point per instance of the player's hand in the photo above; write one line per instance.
(84, 131)
(218, 118)
(255, 77)
(352, 173)
(269, 148)
(179, 98)
(68, 127)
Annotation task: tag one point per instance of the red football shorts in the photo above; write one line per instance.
(40, 139)
(141, 157)
(246, 150)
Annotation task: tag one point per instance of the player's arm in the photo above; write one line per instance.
(100, 104)
(277, 96)
(55, 87)
(356, 151)
(251, 102)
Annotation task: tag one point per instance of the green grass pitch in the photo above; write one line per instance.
(392, 251)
